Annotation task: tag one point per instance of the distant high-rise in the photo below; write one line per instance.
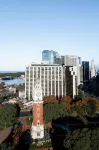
(79, 59)
(92, 68)
(49, 56)
(81, 74)
(72, 60)
(85, 65)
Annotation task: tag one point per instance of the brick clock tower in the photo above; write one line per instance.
(37, 130)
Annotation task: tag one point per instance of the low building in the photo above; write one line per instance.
(22, 94)
(2, 85)
(12, 101)
(22, 76)
(12, 90)
(28, 104)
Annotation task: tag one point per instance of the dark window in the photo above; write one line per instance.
(73, 73)
(38, 133)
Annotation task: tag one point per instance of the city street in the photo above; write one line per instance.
(25, 114)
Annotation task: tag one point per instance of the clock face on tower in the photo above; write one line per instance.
(38, 94)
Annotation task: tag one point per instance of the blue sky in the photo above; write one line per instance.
(29, 26)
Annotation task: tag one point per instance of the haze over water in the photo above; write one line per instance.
(14, 81)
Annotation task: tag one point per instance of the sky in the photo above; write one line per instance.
(70, 27)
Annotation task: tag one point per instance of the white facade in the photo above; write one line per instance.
(12, 90)
(22, 76)
(92, 69)
(22, 94)
(52, 78)
(37, 129)
(72, 60)
(30, 103)
(37, 92)
(12, 101)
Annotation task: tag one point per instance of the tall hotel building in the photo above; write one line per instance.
(55, 80)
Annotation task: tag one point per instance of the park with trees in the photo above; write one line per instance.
(9, 114)
(81, 138)
(55, 111)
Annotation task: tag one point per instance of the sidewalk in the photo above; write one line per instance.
(4, 134)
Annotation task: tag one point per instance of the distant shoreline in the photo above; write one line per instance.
(10, 71)
(11, 74)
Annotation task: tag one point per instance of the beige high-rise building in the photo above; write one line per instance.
(55, 80)
(70, 60)
(92, 68)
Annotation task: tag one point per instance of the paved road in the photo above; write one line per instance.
(4, 132)
(25, 114)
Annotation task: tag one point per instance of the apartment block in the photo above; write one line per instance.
(72, 60)
(55, 80)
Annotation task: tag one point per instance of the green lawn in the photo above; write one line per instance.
(29, 121)
(45, 145)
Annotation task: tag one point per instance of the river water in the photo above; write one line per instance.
(14, 81)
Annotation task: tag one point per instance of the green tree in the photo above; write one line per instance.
(8, 115)
(90, 107)
(81, 86)
(82, 139)
(6, 146)
(54, 111)
(17, 107)
(80, 95)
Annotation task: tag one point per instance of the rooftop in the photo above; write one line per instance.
(44, 64)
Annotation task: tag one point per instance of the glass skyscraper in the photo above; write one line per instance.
(46, 55)
(49, 56)
(85, 71)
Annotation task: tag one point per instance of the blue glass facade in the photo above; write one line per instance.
(46, 55)
(49, 56)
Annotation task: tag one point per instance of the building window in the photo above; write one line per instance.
(73, 73)
(38, 122)
(38, 133)
(38, 109)
(38, 115)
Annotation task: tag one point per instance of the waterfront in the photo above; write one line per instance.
(14, 81)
